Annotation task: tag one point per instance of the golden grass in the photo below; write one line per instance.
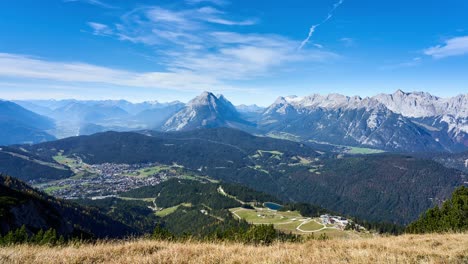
(445, 248)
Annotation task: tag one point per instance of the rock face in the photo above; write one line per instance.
(420, 104)
(398, 122)
(205, 111)
(440, 116)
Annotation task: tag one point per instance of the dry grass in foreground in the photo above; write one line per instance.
(445, 248)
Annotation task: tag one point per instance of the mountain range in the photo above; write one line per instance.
(402, 122)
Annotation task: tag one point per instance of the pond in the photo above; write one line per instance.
(272, 206)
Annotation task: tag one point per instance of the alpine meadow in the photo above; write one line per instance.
(222, 131)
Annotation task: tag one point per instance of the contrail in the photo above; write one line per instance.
(314, 27)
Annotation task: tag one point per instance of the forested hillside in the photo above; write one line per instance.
(27, 166)
(21, 205)
(192, 207)
(452, 216)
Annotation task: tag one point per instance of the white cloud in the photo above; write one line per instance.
(245, 56)
(158, 14)
(185, 40)
(194, 16)
(453, 47)
(348, 42)
(221, 21)
(21, 67)
(93, 2)
(320, 46)
(100, 29)
(187, 28)
(407, 64)
(216, 2)
(269, 40)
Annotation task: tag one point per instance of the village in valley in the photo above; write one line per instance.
(105, 180)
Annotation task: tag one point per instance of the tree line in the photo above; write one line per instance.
(22, 236)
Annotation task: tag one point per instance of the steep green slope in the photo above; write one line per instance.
(132, 212)
(22, 205)
(26, 166)
(452, 216)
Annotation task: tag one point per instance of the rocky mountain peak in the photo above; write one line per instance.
(205, 110)
(423, 104)
(205, 98)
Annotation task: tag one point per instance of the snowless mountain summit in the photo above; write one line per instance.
(205, 110)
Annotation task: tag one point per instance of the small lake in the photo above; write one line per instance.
(272, 206)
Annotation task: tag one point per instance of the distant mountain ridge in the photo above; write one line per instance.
(18, 125)
(83, 117)
(404, 122)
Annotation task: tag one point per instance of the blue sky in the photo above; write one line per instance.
(251, 51)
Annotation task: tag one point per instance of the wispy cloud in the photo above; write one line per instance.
(93, 2)
(216, 2)
(26, 67)
(348, 42)
(313, 28)
(186, 40)
(452, 47)
(240, 62)
(100, 29)
(411, 63)
(193, 74)
(158, 26)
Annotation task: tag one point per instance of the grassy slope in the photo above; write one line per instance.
(288, 222)
(448, 248)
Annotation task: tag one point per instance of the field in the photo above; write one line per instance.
(442, 248)
(75, 164)
(167, 211)
(49, 190)
(149, 171)
(356, 150)
(291, 222)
